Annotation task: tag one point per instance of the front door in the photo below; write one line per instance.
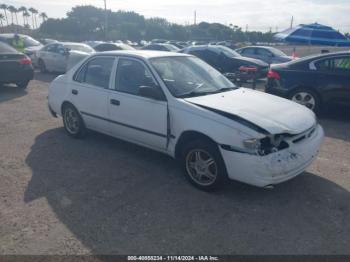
(133, 117)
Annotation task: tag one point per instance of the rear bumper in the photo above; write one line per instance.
(17, 76)
(275, 168)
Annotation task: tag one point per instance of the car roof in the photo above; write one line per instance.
(214, 48)
(145, 54)
(321, 56)
(11, 35)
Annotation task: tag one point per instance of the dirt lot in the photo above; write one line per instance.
(101, 195)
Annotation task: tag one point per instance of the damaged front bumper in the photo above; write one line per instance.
(276, 167)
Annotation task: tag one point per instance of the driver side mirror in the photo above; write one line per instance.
(152, 92)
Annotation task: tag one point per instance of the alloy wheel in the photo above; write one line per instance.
(201, 167)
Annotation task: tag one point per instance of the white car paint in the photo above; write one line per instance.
(57, 61)
(227, 118)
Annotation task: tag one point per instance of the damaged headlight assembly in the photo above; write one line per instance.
(266, 145)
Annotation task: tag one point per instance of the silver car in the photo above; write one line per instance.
(57, 57)
(267, 54)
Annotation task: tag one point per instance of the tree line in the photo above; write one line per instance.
(30, 16)
(88, 23)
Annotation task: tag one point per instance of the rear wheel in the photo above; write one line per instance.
(23, 84)
(73, 123)
(306, 98)
(203, 165)
(42, 66)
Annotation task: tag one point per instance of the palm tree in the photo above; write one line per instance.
(23, 9)
(4, 7)
(26, 16)
(15, 10)
(2, 17)
(12, 10)
(34, 12)
(43, 16)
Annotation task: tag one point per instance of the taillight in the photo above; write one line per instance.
(273, 74)
(25, 61)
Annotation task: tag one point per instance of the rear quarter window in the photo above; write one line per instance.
(6, 49)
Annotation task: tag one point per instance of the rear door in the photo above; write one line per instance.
(90, 90)
(133, 117)
(335, 76)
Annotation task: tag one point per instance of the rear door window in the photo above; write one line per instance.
(339, 64)
(249, 51)
(97, 72)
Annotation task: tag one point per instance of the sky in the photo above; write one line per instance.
(259, 15)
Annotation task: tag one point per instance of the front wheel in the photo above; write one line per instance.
(73, 123)
(203, 165)
(306, 98)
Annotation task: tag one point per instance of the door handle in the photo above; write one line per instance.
(115, 102)
(75, 92)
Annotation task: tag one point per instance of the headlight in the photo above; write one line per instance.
(252, 144)
(265, 146)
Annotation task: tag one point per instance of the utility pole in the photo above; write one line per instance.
(106, 21)
(292, 22)
(195, 17)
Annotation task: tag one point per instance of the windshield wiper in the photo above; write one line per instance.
(193, 93)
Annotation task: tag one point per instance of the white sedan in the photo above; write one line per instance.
(179, 105)
(58, 56)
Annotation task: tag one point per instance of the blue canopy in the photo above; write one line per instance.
(314, 34)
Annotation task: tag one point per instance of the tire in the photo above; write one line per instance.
(42, 66)
(23, 84)
(73, 122)
(306, 97)
(194, 160)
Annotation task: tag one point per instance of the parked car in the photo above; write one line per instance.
(161, 47)
(227, 61)
(267, 54)
(57, 57)
(313, 81)
(15, 67)
(179, 105)
(46, 41)
(31, 46)
(102, 47)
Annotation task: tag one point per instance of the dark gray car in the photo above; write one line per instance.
(267, 54)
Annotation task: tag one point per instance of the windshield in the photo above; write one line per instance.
(172, 47)
(81, 48)
(277, 52)
(227, 51)
(190, 76)
(28, 42)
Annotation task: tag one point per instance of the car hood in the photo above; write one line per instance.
(253, 61)
(271, 113)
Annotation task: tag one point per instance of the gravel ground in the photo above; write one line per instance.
(104, 196)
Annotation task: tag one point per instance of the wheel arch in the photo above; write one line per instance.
(307, 87)
(187, 136)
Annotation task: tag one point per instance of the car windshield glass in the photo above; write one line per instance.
(277, 52)
(227, 51)
(6, 49)
(28, 42)
(190, 76)
(172, 47)
(82, 48)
